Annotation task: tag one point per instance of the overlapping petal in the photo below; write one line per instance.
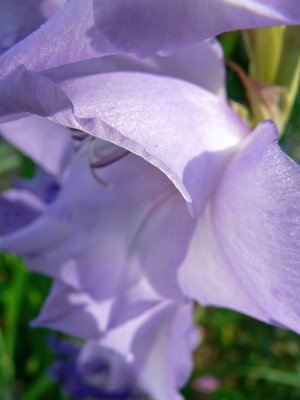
(153, 126)
(74, 312)
(66, 306)
(62, 40)
(119, 233)
(142, 28)
(19, 18)
(244, 254)
(156, 347)
(48, 144)
(154, 26)
(201, 64)
(92, 371)
(147, 126)
(45, 186)
(18, 208)
(156, 343)
(119, 375)
(86, 234)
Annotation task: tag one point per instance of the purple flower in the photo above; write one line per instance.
(229, 179)
(37, 141)
(151, 126)
(169, 198)
(93, 371)
(154, 336)
(115, 308)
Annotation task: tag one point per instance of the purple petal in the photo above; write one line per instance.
(133, 302)
(156, 344)
(88, 233)
(93, 371)
(150, 126)
(45, 142)
(244, 253)
(70, 28)
(120, 376)
(73, 312)
(43, 185)
(19, 18)
(66, 306)
(142, 28)
(23, 92)
(18, 208)
(192, 112)
(152, 26)
(163, 351)
(159, 345)
(201, 64)
(162, 244)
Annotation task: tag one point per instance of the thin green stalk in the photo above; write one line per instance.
(6, 371)
(14, 301)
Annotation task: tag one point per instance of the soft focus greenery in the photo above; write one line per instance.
(247, 359)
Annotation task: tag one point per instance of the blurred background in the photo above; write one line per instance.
(238, 359)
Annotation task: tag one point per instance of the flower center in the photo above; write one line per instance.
(101, 153)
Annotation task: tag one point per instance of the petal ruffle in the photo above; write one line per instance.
(142, 28)
(152, 126)
(158, 344)
(87, 234)
(63, 39)
(65, 306)
(74, 313)
(201, 64)
(154, 26)
(245, 251)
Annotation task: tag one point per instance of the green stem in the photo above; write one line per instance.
(6, 371)
(14, 301)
